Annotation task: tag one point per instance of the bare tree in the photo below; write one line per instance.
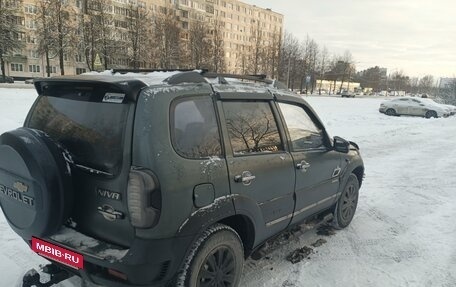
(273, 54)
(138, 31)
(426, 83)
(323, 65)
(288, 59)
(10, 32)
(65, 29)
(44, 32)
(199, 45)
(217, 47)
(257, 55)
(167, 40)
(347, 68)
(97, 33)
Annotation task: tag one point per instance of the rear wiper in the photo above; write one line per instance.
(92, 170)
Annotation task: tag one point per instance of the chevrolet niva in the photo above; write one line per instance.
(137, 179)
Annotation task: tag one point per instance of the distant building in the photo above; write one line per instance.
(239, 21)
(328, 87)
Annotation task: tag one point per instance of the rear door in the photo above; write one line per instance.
(91, 121)
(317, 165)
(261, 170)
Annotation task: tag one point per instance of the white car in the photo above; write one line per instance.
(414, 107)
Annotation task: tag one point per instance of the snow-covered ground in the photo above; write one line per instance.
(404, 231)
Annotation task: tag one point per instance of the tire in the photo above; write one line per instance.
(36, 193)
(430, 114)
(201, 267)
(391, 112)
(347, 203)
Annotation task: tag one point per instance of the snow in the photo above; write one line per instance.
(152, 78)
(403, 233)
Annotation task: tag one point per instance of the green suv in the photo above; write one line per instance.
(168, 179)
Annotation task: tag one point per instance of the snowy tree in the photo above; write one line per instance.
(10, 32)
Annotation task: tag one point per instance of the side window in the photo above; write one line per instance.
(304, 134)
(194, 129)
(252, 127)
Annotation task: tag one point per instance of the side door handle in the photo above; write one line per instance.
(245, 178)
(304, 165)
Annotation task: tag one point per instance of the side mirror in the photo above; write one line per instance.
(341, 145)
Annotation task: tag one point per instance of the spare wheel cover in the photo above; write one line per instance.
(35, 183)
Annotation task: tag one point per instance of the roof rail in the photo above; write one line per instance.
(256, 78)
(124, 71)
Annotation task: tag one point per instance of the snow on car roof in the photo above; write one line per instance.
(152, 78)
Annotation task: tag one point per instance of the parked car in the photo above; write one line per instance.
(8, 80)
(131, 181)
(414, 107)
(28, 81)
(347, 95)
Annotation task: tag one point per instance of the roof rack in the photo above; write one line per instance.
(199, 76)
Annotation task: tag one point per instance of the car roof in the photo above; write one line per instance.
(226, 85)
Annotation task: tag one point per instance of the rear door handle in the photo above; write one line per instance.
(303, 165)
(246, 178)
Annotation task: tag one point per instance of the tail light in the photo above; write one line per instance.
(143, 198)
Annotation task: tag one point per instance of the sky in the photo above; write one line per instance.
(417, 37)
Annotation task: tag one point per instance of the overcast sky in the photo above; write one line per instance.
(415, 36)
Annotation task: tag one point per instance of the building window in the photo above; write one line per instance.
(34, 54)
(31, 9)
(17, 67)
(51, 69)
(34, 68)
(80, 71)
(79, 58)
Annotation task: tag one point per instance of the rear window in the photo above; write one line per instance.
(91, 130)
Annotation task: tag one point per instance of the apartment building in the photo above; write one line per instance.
(238, 21)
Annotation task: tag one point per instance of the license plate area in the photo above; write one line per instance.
(57, 253)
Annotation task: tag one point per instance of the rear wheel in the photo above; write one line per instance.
(430, 114)
(391, 112)
(347, 203)
(216, 259)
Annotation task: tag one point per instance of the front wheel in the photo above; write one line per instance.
(430, 114)
(347, 203)
(215, 259)
(390, 112)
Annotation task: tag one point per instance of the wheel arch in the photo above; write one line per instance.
(245, 228)
(359, 172)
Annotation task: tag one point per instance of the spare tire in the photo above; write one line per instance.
(36, 193)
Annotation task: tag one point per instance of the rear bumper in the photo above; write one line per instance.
(147, 263)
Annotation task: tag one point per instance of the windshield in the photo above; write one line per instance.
(91, 131)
